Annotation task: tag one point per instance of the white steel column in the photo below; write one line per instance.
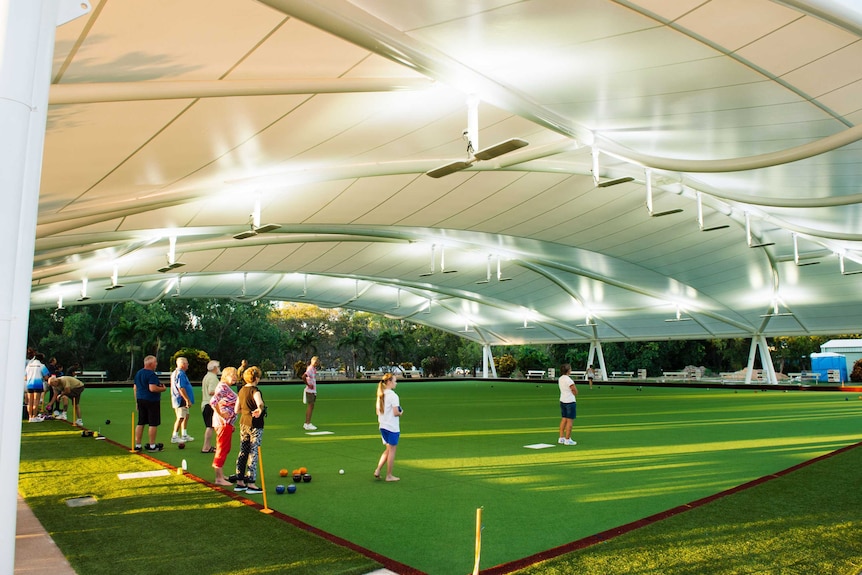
(752, 351)
(596, 348)
(27, 30)
(766, 361)
(488, 362)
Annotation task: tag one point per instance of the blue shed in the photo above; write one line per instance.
(823, 362)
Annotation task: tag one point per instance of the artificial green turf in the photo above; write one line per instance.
(162, 525)
(639, 453)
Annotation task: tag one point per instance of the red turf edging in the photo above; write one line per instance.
(554, 552)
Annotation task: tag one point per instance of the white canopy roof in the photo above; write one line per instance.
(176, 126)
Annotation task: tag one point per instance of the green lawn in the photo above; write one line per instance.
(639, 453)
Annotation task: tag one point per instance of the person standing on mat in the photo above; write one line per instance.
(389, 419)
(148, 395)
(208, 387)
(590, 375)
(182, 398)
(223, 404)
(568, 405)
(251, 411)
(310, 378)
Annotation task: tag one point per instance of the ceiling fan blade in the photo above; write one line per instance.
(244, 235)
(449, 168)
(267, 228)
(609, 183)
(501, 148)
(667, 213)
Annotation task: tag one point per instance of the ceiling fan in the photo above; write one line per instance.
(488, 153)
(254, 226)
(471, 136)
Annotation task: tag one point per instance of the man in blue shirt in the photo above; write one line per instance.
(182, 398)
(148, 390)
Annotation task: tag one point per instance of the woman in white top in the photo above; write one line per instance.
(568, 405)
(389, 417)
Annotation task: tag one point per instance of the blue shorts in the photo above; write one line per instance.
(569, 410)
(35, 387)
(389, 437)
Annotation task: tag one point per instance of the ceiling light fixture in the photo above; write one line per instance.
(471, 135)
(700, 217)
(679, 317)
(606, 183)
(653, 214)
(304, 286)
(750, 238)
(500, 277)
(60, 302)
(431, 273)
(844, 271)
(487, 272)
(796, 254)
(177, 286)
(84, 296)
(443, 262)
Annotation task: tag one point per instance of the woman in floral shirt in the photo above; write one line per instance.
(223, 403)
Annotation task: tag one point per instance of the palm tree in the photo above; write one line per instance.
(389, 345)
(123, 337)
(355, 340)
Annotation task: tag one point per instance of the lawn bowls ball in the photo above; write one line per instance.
(341, 472)
(283, 472)
(279, 489)
(107, 422)
(181, 445)
(297, 477)
(307, 478)
(291, 488)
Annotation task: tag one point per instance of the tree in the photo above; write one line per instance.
(389, 345)
(355, 340)
(124, 337)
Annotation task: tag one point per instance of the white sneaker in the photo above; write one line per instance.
(562, 440)
(56, 413)
(571, 442)
(78, 422)
(186, 438)
(310, 426)
(37, 419)
(175, 439)
(62, 416)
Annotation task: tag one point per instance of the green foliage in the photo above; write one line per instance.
(856, 374)
(505, 365)
(198, 360)
(530, 357)
(434, 366)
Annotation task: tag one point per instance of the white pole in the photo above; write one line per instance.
(27, 30)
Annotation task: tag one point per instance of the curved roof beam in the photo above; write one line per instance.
(86, 93)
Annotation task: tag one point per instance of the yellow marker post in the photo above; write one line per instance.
(262, 480)
(74, 411)
(133, 434)
(478, 540)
